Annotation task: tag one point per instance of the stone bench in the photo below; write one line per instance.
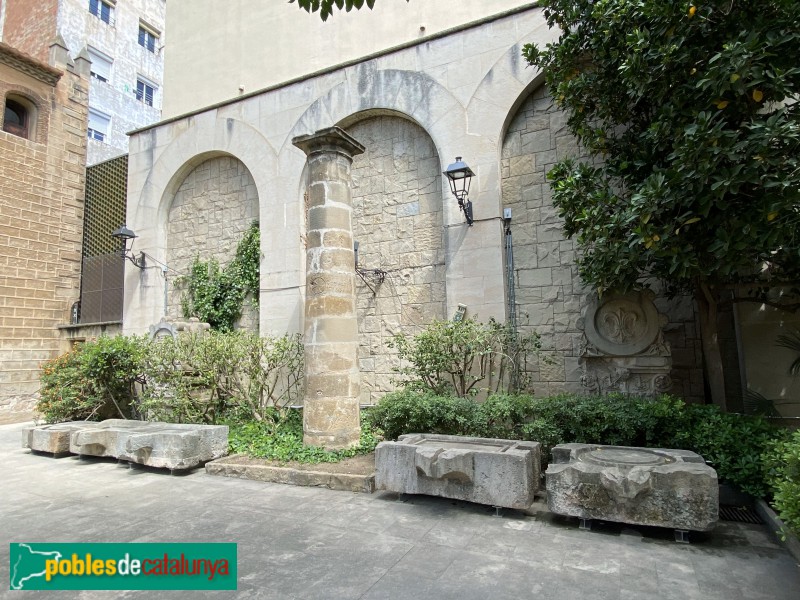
(640, 486)
(173, 446)
(482, 470)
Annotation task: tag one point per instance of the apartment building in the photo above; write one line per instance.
(123, 39)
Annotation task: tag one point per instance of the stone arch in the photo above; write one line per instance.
(213, 207)
(398, 222)
(548, 293)
(206, 136)
(413, 95)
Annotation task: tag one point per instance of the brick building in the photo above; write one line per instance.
(42, 174)
(123, 39)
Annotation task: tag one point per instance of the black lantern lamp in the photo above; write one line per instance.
(460, 175)
(124, 234)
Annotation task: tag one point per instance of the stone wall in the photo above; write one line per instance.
(213, 208)
(397, 220)
(549, 292)
(30, 26)
(41, 218)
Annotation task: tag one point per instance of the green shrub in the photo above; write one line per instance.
(732, 443)
(64, 395)
(464, 357)
(282, 440)
(782, 471)
(96, 380)
(215, 294)
(413, 411)
(235, 375)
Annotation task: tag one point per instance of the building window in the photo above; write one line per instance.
(18, 117)
(147, 38)
(101, 65)
(102, 10)
(99, 124)
(145, 91)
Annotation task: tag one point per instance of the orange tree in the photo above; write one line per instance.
(690, 114)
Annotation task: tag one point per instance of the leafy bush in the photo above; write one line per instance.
(732, 443)
(414, 411)
(204, 377)
(95, 380)
(282, 439)
(782, 470)
(216, 295)
(454, 357)
(63, 395)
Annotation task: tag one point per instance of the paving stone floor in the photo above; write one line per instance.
(307, 543)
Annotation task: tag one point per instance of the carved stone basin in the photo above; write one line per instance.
(483, 470)
(642, 486)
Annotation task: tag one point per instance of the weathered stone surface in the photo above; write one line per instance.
(331, 416)
(642, 486)
(234, 466)
(483, 470)
(53, 439)
(211, 211)
(172, 446)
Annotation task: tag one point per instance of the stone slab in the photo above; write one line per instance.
(641, 486)
(53, 439)
(174, 446)
(482, 470)
(229, 467)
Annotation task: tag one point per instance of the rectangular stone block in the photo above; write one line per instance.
(641, 486)
(482, 470)
(173, 446)
(53, 439)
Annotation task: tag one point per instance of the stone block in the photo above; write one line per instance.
(483, 470)
(641, 486)
(172, 446)
(53, 439)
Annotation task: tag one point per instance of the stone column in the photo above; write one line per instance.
(331, 411)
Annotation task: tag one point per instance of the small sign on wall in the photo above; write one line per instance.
(461, 312)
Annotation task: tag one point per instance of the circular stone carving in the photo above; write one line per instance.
(162, 330)
(622, 325)
(629, 457)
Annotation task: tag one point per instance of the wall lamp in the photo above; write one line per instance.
(459, 175)
(124, 234)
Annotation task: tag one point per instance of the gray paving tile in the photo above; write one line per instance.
(300, 543)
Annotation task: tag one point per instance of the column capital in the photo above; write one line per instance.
(331, 139)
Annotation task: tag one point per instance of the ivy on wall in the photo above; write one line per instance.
(215, 294)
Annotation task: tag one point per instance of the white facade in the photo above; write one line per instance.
(225, 50)
(118, 62)
(416, 106)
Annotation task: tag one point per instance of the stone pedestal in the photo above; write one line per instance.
(641, 486)
(331, 409)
